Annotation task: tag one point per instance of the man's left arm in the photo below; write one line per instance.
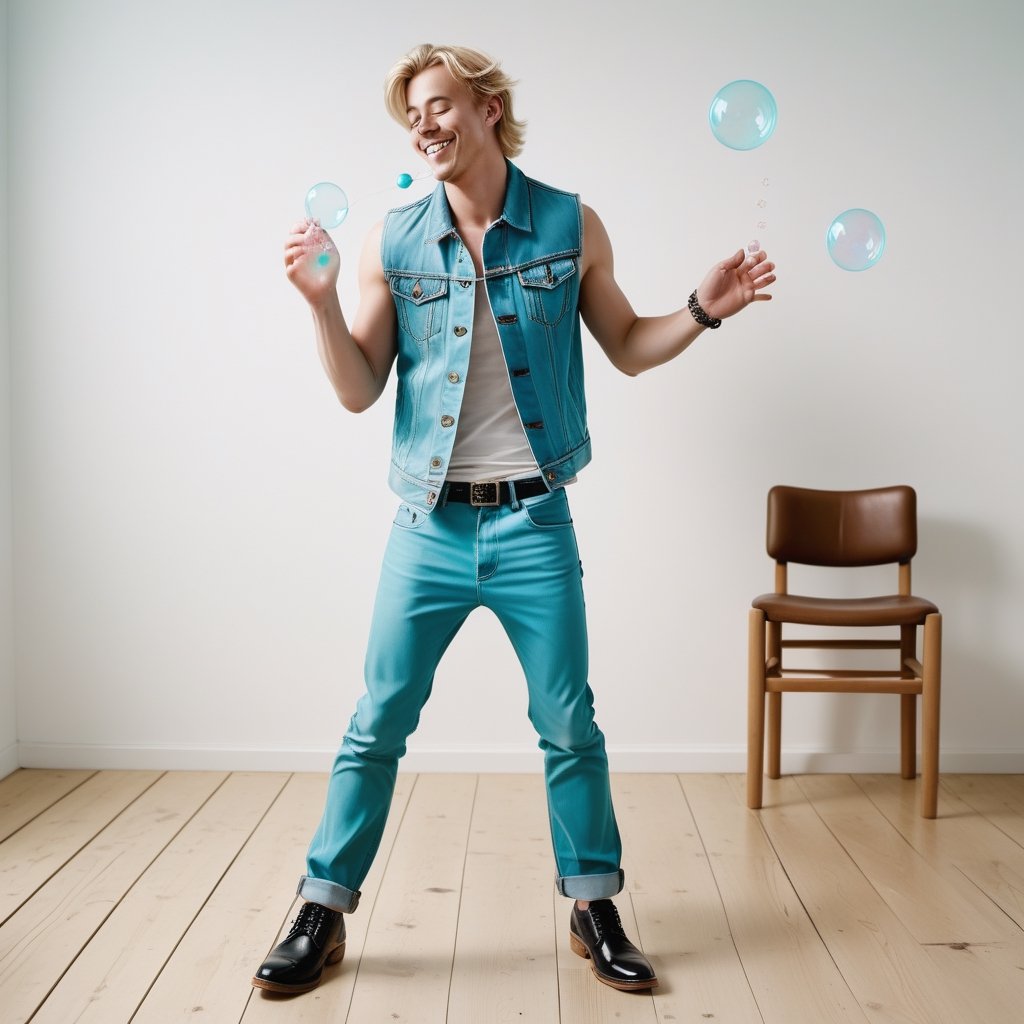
(637, 343)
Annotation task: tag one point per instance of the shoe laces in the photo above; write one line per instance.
(605, 916)
(310, 919)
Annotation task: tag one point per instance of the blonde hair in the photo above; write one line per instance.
(481, 74)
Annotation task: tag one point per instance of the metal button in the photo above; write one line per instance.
(454, 377)
(552, 475)
(435, 463)
(431, 498)
(464, 284)
(417, 291)
(447, 421)
(460, 331)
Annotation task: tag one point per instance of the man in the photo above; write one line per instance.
(476, 291)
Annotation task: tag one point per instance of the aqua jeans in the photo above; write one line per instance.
(521, 561)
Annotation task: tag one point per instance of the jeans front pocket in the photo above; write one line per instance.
(409, 518)
(548, 511)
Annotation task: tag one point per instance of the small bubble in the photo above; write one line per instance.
(762, 203)
(764, 181)
(762, 224)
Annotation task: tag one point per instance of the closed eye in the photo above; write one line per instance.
(434, 112)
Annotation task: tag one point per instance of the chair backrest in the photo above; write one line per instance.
(842, 528)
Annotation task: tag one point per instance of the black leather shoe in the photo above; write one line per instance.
(296, 964)
(596, 933)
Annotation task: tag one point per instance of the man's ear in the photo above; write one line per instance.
(494, 109)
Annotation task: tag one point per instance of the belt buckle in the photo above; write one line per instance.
(485, 495)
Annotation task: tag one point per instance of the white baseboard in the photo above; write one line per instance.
(513, 759)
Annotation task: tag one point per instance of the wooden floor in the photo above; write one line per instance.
(151, 897)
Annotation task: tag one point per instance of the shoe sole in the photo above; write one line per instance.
(334, 957)
(579, 948)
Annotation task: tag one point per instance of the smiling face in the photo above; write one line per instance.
(449, 128)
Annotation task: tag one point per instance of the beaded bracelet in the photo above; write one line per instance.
(698, 313)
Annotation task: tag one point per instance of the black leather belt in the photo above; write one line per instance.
(492, 494)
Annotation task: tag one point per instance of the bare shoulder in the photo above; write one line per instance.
(373, 239)
(370, 265)
(597, 247)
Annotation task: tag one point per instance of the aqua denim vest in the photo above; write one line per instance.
(532, 274)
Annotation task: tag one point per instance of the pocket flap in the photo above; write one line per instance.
(549, 274)
(418, 289)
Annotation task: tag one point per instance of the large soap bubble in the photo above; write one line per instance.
(855, 239)
(327, 204)
(743, 114)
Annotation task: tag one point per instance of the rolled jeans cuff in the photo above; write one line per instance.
(591, 887)
(328, 894)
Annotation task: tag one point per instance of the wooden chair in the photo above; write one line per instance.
(844, 529)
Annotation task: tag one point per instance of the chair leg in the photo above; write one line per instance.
(930, 715)
(755, 707)
(773, 769)
(908, 707)
(908, 735)
(774, 723)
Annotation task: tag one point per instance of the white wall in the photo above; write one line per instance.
(199, 524)
(8, 706)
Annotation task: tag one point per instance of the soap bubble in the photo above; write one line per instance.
(855, 240)
(743, 114)
(326, 203)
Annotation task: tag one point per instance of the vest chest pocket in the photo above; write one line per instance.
(548, 288)
(420, 313)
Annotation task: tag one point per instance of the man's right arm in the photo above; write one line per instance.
(359, 361)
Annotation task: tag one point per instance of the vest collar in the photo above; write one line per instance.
(516, 212)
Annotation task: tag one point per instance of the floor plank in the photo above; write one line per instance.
(931, 908)
(406, 967)
(40, 941)
(887, 970)
(505, 969)
(208, 976)
(980, 860)
(992, 973)
(1000, 798)
(110, 978)
(681, 924)
(38, 850)
(790, 971)
(29, 791)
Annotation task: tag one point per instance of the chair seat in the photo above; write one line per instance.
(890, 610)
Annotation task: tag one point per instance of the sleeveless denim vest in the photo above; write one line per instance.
(532, 275)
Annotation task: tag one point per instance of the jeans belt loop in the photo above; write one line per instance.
(485, 494)
(512, 496)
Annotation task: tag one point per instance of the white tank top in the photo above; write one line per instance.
(490, 443)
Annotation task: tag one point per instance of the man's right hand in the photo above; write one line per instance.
(311, 262)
